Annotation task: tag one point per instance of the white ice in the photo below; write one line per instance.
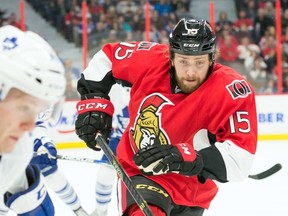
(267, 197)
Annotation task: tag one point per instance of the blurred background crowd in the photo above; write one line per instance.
(246, 41)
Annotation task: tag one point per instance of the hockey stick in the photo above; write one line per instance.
(80, 159)
(275, 168)
(124, 176)
(266, 173)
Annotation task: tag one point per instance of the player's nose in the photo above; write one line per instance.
(191, 71)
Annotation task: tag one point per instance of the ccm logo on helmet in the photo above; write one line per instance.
(191, 45)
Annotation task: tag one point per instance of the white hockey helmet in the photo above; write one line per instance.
(29, 63)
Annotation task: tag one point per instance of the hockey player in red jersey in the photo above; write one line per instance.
(193, 121)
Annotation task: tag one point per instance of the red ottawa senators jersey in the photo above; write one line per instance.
(224, 105)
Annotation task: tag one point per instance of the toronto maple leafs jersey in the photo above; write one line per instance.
(13, 165)
(120, 96)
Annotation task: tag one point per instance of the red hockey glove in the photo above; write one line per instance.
(161, 159)
(94, 115)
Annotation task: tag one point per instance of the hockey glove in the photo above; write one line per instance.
(45, 155)
(94, 115)
(33, 201)
(161, 159)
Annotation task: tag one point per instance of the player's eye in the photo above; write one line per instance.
(199, 63)
(183, 62)
(25, 109)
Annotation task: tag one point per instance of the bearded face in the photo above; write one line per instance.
(190, 71)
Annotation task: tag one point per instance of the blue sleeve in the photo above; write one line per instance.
(35, 200)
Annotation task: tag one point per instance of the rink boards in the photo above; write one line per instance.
(272, 121)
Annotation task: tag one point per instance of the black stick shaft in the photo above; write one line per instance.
(124, 176)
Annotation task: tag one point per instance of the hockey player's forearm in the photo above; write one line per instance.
(85, 86)
(225, 161)
(214, 165)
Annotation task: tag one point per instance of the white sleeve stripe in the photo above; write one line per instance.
(98, 67)
(237, 160)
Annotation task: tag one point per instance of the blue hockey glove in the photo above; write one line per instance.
(45, 155)
(33, 201)
(160, 159)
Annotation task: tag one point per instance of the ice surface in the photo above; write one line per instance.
(265, 197)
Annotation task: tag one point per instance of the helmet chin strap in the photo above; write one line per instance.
(173, 82)
(212, 60)
(210, 69)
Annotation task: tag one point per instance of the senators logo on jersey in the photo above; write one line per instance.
(239, 89)
(147, 129)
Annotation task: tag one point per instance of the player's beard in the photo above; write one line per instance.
(188, 89)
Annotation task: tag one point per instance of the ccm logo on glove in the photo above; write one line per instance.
(185, 148)
(160, 159)
(102, 105)
(94, 115)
